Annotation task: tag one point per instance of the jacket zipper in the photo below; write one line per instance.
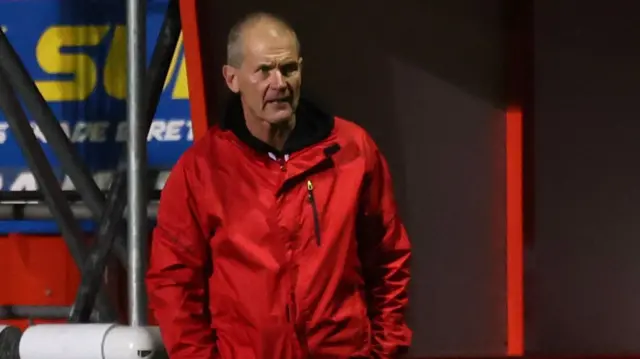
(314, 209)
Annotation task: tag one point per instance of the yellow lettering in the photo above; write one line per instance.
(115, 70)
(181, 86)
(53, 61)
(174, 60)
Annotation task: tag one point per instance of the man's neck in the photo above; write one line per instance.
(273, 135)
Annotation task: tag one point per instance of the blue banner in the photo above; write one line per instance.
(75, 50)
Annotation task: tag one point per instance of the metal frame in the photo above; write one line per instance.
(8, 312)
(128, 186)
(42, 171)
(70, 161)
(136, 159)
(37, 196)
(40, 211)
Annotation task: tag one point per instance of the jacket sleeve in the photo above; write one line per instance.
(177, 276)
(385, 252)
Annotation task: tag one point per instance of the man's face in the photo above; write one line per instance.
(269, 77)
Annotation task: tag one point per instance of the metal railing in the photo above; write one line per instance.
(127, 195)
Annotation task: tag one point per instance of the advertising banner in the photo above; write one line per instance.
(75, 50)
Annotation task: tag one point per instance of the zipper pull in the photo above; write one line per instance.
(310, 193)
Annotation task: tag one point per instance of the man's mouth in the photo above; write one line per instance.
(281, 100)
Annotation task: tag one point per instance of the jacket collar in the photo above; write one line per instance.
(312, 126)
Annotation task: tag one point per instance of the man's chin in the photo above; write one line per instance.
(279, 117)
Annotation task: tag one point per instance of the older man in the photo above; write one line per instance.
(278, 234)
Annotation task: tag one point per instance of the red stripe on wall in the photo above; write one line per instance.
(515, 267)
(195, 74)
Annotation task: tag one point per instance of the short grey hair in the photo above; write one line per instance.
(235, 50)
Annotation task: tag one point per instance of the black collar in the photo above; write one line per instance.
(312, 126)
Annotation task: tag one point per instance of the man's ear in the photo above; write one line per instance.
(230, 78)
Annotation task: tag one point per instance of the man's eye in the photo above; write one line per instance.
(264, 68)
(288, 69)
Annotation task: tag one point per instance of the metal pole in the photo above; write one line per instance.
(41, 211)
(158, 69)
(18, 197)
(136, 164)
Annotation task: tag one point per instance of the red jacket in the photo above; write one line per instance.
(260, 255)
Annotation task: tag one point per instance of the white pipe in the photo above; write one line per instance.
(88, 341)
(156, 335)
(128, 343)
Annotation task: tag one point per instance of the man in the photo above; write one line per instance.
(278, 235)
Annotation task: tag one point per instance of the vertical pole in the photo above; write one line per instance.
(136, 164)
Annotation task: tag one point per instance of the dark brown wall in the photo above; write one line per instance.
(426, 79)
(584, 290)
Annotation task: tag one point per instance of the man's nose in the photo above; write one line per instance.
(278, 80)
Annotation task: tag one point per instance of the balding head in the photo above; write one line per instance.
(255, 24)
(265, 68)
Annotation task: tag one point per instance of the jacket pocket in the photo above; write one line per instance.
(314, 210)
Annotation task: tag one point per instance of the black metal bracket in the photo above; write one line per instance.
(70, 161)
(40, 211)
(34, 311)
(48, 184)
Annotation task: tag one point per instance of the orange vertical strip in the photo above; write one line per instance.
(195, 73)
(515, 249)
(519, 55)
